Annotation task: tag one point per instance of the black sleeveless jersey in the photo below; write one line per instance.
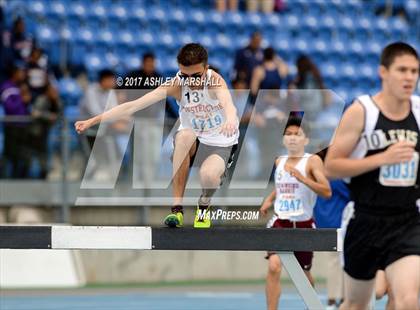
(390, 188)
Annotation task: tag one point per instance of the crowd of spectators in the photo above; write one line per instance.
(32, 104)
(30, 101)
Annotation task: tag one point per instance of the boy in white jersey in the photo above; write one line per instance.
(208, 118)
(299, 178)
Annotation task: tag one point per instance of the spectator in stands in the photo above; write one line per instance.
(15, 99)
(222, 5)
(314, 98)
(45, 112)
(5, 56)
(270, 74)
(150, 120)
(240, 97)
(266, 6)
(267, 81)
(328, 214)
(36, 73)
(248, 58)
(98, 98)
(21, 43)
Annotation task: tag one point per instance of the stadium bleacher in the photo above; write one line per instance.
(343, 37)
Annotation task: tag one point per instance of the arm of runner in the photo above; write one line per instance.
(337, 162)
(257, 76)
(320, 185)
(282, 67)
(268, 202)
(130, 107)
(230, 127)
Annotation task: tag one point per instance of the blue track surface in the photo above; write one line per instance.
(153, 301)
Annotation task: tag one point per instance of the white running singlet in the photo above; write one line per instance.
(294, 200)
(204, 115)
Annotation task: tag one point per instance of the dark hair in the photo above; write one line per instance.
(105, 73)
(269, 53)
(36, 49)
(11, 69)
(148, 55)
(256, 34)
(304, 65)
(394, 50)
(239, 80)
(215, 69)
(18, 20)
(192, 54)
(296, 121)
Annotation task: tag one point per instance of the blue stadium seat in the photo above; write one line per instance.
(177, 16)
(319, 51)
(355, 50)
(131, 62)
(105, 40)
(292, 22)
(301, 46)
(117, 17)
(77, 10)
(412, 7)
(112, 61)
(169, 67)
(56, 13)
(37, 8)
(93, 63)
(283, 47)
(97, 12)
(157, 19)
(46, 34)
(124, 42)
(253, 21)
(48, 40)
(166, 42)
(185, 38)
(382, 28)
(136, 16)
(346, 24)
(353, 7)
(344, 94)
(326, 26)
(207, 41)
(272, 23)
(347, 73)
(329, 73)
(310, 24)
(372, 51)
(234, 21)
(399, 29)
(144, 39)
(82, 41)
(337, 51)
(215, 22)
(70, 91)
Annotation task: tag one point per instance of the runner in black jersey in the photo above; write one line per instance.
(377, 145)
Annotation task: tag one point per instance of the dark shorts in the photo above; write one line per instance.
(374, 242)
(304, 258)
(203, 151)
